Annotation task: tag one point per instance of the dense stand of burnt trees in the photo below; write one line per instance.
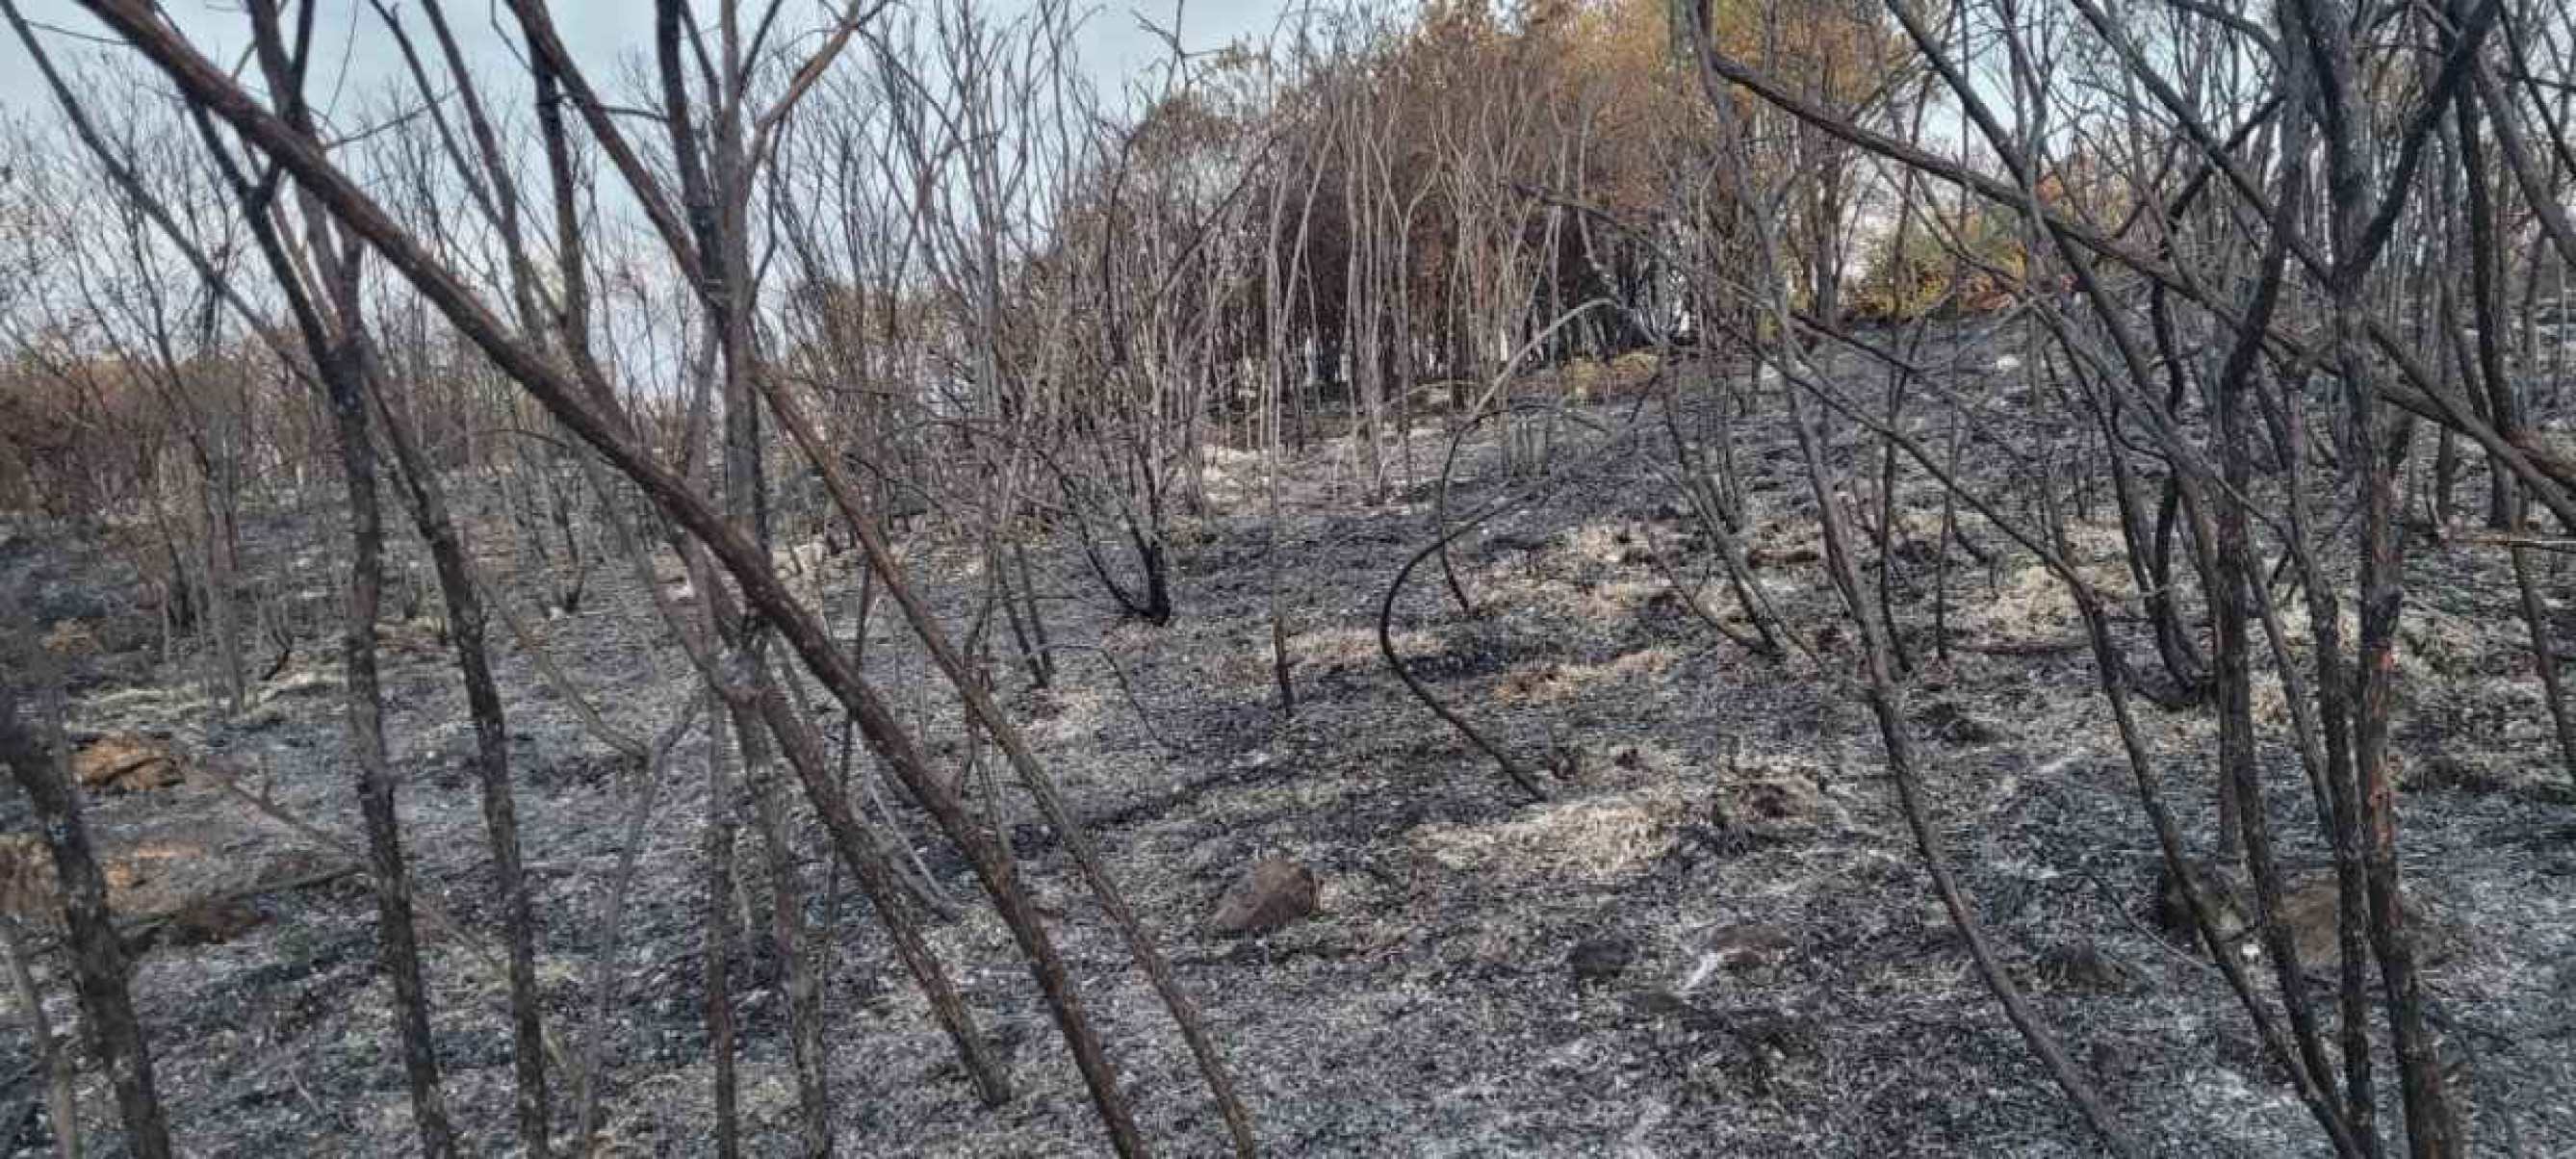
(821, 275)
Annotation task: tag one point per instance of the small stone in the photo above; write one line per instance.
(1271, 894)
(1601, 959)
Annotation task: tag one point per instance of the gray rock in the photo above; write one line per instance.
(1271, 894)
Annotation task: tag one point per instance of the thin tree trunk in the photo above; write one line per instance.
(1878, 665)
(605, 977)
(715, 971)
(99, 967)
(2322, 30)
(62, 1103)
(465, 627)
(789, 937)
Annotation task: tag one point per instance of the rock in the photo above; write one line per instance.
(1271, 894)
(1601, 959)
(128, 763)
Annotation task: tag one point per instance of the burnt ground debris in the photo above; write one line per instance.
(1757, 964)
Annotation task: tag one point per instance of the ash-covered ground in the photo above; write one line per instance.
(1716, 937)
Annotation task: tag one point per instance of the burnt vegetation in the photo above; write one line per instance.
(1578, 576)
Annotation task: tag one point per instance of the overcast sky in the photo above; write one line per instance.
(357, 58)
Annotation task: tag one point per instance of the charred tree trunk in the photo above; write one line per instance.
(98, 962)
(466, 623)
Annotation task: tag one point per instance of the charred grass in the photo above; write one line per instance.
(1704, 800)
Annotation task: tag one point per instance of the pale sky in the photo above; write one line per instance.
(356, 57)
